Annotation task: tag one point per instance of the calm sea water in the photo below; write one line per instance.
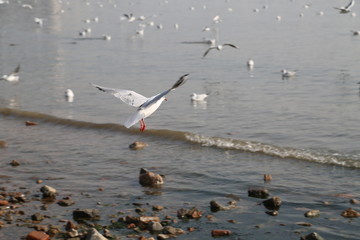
(302, 130)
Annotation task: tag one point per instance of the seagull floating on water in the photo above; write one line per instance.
(12, 77)
(69, 95)
(219, 48)
(287, 74)
(198, 97)
(250, 64)
(347, 8)
(145, 106)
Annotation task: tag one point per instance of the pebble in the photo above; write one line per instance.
(150, 179)
(215, 206)
(173, 231)
(312, 236)
(220, 232)
(66, 202)
(155, 227)
(312, 213)
(3, 144)
(95, 235)
(305, 224)
(37, 217)
(350, 213)
(29, 123)
(273, 203)
(138, 145)
(15, 163)
(272, 213)
(354, 201)
(192, 213)
(37, 235)
(267, 177)
(258, 192)
(86, 214)
(48, 192)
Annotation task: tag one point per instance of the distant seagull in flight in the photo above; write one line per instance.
(145, 106)
(347, 8)
(12, 77)
(219, 48)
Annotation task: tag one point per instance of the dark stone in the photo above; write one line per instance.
(258, 192)
(37, 217)
(273, 203)
(312, 236)
(86, 214)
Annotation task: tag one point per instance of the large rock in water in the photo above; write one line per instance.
(258, 192)
(273, 203)
(48, 192)
(150, 179)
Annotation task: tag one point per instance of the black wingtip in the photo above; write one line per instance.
(181, 81)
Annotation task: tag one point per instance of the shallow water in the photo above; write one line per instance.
(302, 130)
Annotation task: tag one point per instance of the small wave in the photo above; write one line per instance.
(272, 150)
(205, 141)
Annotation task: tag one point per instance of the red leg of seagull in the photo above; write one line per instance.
(142, 125)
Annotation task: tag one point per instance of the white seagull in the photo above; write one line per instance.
(12, 77)
(250, 64)
(219, 47)
(69, 95)
(347, 8)
(198, 97)
(145, 106)
(286, 73)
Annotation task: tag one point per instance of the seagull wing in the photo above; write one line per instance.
(127, 96)
(350, 5)
(17, 69)
(207, 51)
(155, 98)
(230, 45)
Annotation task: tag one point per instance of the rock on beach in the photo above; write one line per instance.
(48, 192)
(150, 179)
(273, 203)
(258, 192)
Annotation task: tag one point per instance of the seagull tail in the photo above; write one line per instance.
(132, 120)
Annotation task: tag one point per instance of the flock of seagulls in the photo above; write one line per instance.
(147, 106)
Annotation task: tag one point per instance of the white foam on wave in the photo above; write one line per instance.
(276, 151)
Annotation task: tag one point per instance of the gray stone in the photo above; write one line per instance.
(95, 235)
(155, 227)
(48, 192)
(312, 236)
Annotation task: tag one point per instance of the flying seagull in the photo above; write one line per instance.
(219, 47)
(347, 8)
(145, 106)
(12, 77)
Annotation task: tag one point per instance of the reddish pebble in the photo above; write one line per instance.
(4, 203)
(267, 177)
(28, 123)
(220, 232)
(37, 235)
